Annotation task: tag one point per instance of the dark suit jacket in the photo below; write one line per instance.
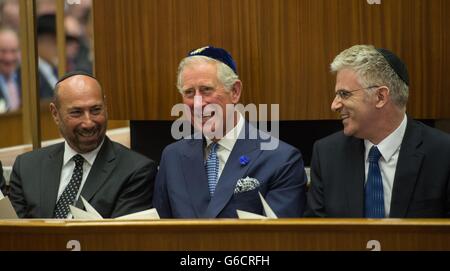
(120, 181)
(181, 189)
(45, 89)
(2, 180)
(421, 186)
(2, 98)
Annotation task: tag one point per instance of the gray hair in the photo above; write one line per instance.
(225, 74)
(372, 69)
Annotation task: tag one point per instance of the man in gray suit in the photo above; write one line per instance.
(113, 179)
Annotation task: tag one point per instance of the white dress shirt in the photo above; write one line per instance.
(69, 166)
(226, 144)
(389, 149)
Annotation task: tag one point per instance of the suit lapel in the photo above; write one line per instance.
(104, 164)
(408, 166)
(50, 180)
(233, 171)
(192, 164)
(354, 176)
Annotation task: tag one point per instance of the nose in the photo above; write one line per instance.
(10, 56)
(336, 105)
(88, 121)
(199, 100)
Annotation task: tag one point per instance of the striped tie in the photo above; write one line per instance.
(212, 168)
(374, 195)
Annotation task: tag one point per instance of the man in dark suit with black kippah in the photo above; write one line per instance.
(113, 179)
(383, 164)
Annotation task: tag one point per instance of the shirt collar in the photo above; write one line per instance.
(44, 65)
(391, 143)
(13, 76)
(4, 80)
(89, 157)
(47, 70)
(230, 138)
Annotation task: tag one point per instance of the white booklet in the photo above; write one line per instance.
(92, 214)
(6, 209)
(267, 210)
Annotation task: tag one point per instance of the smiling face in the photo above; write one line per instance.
(9, 52)
(80, 112)
(207, 97)
(358, 110)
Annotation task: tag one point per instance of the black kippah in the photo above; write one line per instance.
(73, 73)
(46, 24)
(396, 64)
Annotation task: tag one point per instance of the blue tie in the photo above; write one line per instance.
(212, 168)
(374, 195)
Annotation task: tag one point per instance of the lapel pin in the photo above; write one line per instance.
(243, 160)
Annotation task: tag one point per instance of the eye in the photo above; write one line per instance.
(343, 94)
(206, 90)
(96, 110)
(75, 113)
(188, 92)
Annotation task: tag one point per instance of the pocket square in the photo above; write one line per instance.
(246, 184)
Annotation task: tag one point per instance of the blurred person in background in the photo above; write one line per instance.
(77, 49)
(10, 97)
(9, 14)
(45, 7)
(48, 54)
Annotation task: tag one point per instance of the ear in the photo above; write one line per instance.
(54, 112)
(236, 91)
(382, 96)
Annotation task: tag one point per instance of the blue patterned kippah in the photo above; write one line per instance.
(218, 54)
(396, 64)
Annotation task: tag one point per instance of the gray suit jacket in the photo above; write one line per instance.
(120, 181)
(421, 184)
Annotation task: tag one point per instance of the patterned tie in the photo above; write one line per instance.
(212, 168)
(374, 195)
(70, 192)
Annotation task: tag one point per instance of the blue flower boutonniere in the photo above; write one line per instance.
(243, 160)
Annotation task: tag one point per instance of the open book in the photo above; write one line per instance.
(267, 210)
(92, 214)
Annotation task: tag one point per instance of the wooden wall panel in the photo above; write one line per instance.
(282, 48)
